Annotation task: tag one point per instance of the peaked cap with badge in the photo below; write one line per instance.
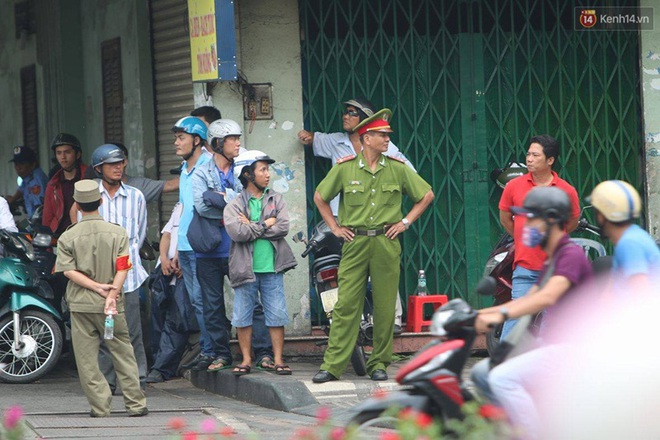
(378, 122)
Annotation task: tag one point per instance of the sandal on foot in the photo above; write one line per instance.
(241, 370)
(282, 370)
(266, 364)
(219, 364)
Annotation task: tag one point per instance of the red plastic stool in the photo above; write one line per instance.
(417, 319)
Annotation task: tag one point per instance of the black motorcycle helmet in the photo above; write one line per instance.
(66, 139)
(547, 202)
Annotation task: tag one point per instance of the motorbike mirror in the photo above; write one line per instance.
(299, 237)
(495, 174)
(487, 286)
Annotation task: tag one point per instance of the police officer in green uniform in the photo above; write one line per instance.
(93, 254)
(371, 187)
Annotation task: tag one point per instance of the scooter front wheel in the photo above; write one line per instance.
(41, 346)
(373, 420)
(359, 360)
(493, 339)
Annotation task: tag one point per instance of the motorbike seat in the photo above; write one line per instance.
(326, 262)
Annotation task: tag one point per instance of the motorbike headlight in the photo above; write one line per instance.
(493, 262)
(438, 322)
(41, 240)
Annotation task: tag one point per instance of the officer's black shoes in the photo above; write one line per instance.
(154, 376)
(322, 377)
(397, 330)
(379, 375)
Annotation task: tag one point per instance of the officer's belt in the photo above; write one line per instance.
(370, 232)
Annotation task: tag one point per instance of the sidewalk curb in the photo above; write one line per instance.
(259, 388)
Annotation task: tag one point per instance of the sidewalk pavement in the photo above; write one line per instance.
(297, 393)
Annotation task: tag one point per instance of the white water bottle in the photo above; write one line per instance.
(109, 332)
(421, 284)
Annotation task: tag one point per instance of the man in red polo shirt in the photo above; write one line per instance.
(541, 156)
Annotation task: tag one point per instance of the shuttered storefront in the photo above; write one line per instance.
(173, 83)
(470, 82)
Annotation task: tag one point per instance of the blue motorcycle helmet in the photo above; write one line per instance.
(192, 126)
(107, 153)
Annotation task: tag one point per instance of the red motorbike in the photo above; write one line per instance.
(433, 377)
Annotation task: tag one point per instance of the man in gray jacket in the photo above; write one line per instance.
(257, 222)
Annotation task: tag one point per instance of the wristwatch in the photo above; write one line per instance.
(405, 222)
(505, 313)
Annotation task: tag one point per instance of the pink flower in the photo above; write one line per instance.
(424, 420)
(390, 436)
(176, 423)
(190, 435)
(227, 431)
(322, 415)
(379, 393)
(304, 434)
(337, 434)
(13, 415)
(208, 426)
(492, 412)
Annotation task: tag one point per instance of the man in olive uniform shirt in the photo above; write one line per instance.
(93, 254)
(371, 187)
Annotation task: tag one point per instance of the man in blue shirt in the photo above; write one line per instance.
(190, 135)
(34, 180)
(636, 261)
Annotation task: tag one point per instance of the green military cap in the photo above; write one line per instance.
(86, 191)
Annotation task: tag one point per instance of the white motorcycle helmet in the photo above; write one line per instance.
(246, 159)
(220, 129)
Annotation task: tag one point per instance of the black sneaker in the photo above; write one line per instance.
(154, 376)
(192, 363)
(203, 363)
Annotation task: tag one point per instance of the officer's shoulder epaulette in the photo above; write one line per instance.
(346, 158)
(398, 159)
(70, 226)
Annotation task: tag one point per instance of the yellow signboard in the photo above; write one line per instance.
(203, 40)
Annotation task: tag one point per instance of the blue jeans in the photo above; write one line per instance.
(188, 265)
(211, 276)
(211, 273)
(479, 376)
(515, 382)
(270, 286)
(523, 280)
(173, 338)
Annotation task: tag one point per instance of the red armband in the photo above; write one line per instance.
(123, 263)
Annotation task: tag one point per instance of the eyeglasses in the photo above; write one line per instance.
(350, 112)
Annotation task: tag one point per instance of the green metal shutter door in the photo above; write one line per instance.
(469, 84)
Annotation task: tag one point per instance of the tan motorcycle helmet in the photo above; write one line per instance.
(617, 200)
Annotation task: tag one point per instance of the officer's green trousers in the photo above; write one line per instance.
(378, 257)
(86, 333)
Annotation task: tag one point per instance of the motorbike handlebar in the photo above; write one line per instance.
(584, 225)
(310, 246)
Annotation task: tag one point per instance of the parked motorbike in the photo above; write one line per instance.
(326, 249)
(433, 377)
(30, 327)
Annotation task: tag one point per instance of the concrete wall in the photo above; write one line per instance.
(14, 55)
(268, 46)
(650, 59)
(105, 20)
